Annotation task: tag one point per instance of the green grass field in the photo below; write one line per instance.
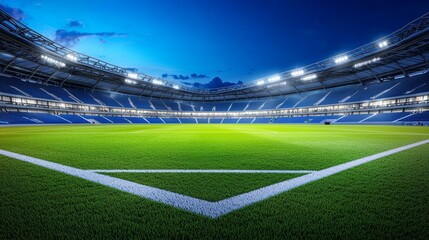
(386, 198)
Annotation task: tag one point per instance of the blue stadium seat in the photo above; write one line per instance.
(230, 120)
(215, 120)
(202, 120)
(353, 118)
(387, 117)
(154, 120)
(137, 120)
(263, 120)
(245, 120)
(74, 118)
(171, 120)
(238, 106)
(187, 120)
(273, 104)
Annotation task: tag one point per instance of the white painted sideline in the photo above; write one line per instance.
(195, 171)
(202, 207)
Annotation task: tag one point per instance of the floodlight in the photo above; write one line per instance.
(133, 75)
(383, 44)
(297, 73)
(309, 77)
(157, 82)
(71, 57)
(361, 64)
(176, 86)
(53, 61)
(341, 59)
(260, 82)
(129, 81)
(274, 78)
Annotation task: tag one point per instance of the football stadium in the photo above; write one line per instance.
(337, 149)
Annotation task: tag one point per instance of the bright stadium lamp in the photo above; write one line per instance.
(309, 77)
(53, 61)
(274, 78)
(132, 75)
(71, 57)
(297, 73)
(341, 59)
(364, 63)
(383, 44)
(129, 81)
(260, 82)
(176, 87)
(157, 82)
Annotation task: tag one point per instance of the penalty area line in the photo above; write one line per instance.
(199, 206)
(197, 171)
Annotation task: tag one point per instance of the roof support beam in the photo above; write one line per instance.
(65, 79)
(50, 77)
(95, 85)
(37, 69)
(402, 69)
(8, 65)
(374, 74)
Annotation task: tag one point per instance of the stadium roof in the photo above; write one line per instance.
(28, 54)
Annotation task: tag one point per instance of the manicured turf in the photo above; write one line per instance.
(384, 199)
(206, 146)
(208, 186)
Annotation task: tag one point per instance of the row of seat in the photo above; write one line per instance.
(401, 87)
(46, 118)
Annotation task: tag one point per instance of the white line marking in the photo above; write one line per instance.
(195, 171)
(240, 201)
(170, 198)
(202, 207)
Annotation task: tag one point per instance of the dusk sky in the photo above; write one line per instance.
(195, 41)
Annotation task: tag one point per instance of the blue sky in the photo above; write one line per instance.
(196, 41)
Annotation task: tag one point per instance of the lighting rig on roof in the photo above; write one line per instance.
(274, 78)
(72, 57)
(309, 77)
(133, 75)
(297, 73)
(383, 44)
(341, 59)
(260, 82)
(53, 61)
(364, 63)
(157, 82)
(129, 81)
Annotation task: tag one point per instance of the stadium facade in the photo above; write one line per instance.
(383, 82)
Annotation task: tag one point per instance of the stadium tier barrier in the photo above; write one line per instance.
(349, 94)
(410, 86)
(400, 118)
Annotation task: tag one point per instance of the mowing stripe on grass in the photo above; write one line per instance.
(196, 171)
(202, 207)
